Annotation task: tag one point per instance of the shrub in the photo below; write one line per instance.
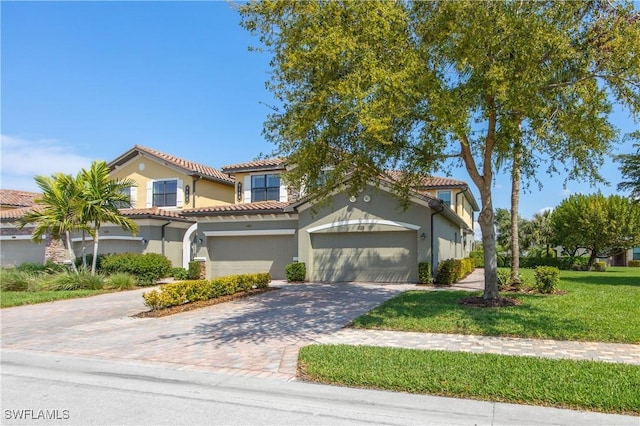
(121, 281)
(600, 267)
(467, 265)
(564, 263)
(12, 279)
(424, 273)
(547, 278)
(89, 261)
(179, 273)
(504, 279)
(478, 258)
(634, 263)
(148, 268)
(448, 272)
(67, 281)
(179, 293)
(296, 271)
(195, 268)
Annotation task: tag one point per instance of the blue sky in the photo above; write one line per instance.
(84, 81)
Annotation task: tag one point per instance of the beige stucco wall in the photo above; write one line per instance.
(459, 204)
(207, 193)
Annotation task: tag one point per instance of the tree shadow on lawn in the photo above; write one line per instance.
(440, 312)
(290, 314)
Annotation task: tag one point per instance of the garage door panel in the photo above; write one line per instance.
(375, 257)
(244, 255)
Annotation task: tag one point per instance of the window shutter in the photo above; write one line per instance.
(149, 203)
(179, 194)
(284, 195)
(247, 189)
(133, 196)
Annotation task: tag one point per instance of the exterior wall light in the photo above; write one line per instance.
(423, 236)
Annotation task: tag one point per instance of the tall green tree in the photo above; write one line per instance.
(58, 211)
(598, 224)
(630, 169)
(373, 86)
(101, 197)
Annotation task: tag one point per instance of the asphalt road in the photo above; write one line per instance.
(52, 389)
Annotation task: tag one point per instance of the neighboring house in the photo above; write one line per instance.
(364, 238)
(11, 200)
(244, 219)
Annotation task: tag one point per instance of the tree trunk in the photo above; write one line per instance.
(72, 255)
(485, 219)
(95, 253)
(592, 259)
(515, 204)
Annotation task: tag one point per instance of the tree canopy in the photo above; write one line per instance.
(599, 224)
(374, 86)
(630, 169)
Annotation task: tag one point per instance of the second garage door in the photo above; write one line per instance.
(251, 254)
(373, 257)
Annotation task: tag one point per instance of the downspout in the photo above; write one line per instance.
(162, 234)
(433, 256)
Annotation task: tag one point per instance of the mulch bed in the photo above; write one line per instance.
(201, 304)
(479, 302)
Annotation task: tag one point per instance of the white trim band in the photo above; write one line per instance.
(107, 237)
(18, 237)
(363, 222)
(249, 233)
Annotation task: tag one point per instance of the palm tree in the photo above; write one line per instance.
(59, 211)
(101, 198)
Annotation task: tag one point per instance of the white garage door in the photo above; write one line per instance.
(251, 254)
(373, 257)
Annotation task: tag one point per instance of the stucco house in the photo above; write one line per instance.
(243, 218)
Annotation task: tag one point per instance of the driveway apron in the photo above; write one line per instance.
(256, 336)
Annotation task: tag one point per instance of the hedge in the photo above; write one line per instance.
(148, 268)
(424, 273)
(453, 270)
(633, 263)
(296, 272)
(179, 293)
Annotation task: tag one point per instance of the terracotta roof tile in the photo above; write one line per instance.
(269, 163)
(191, 166)
(429, 181)
(261, 206)
(10, 197)
(15, 214)
(153, 211)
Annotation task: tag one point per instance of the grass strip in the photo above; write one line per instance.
(19, 298)
(585, 385)
(595, 306)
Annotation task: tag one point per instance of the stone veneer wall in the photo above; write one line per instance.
(55, 251)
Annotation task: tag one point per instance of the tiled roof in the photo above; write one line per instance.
(269, 163)
(429, 181)
(153, 212)
(262, 206)
(10, 197)
(15, 214)
(189, 166)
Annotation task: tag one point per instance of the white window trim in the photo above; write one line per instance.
(284, 194)
(451, 201)
(179, 192)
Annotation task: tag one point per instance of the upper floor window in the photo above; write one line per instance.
(265, 188)
(165, 193)
(445, 196)
(125, 204)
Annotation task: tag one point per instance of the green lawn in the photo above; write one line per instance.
(597, 306)
(18, 298)
(586, 385)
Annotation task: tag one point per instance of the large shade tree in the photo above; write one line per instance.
(374, 86)
(601, 225)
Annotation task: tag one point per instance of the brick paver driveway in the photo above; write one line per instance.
(256, 336)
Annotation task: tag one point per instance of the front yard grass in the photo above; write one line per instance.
(18, 298)
(587, 385)
(596, 306)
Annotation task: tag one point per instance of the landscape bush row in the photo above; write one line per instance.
(181, 292)
(453, 270)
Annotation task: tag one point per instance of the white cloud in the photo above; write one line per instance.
(545, 209)
(22, 159)
(477, 233)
